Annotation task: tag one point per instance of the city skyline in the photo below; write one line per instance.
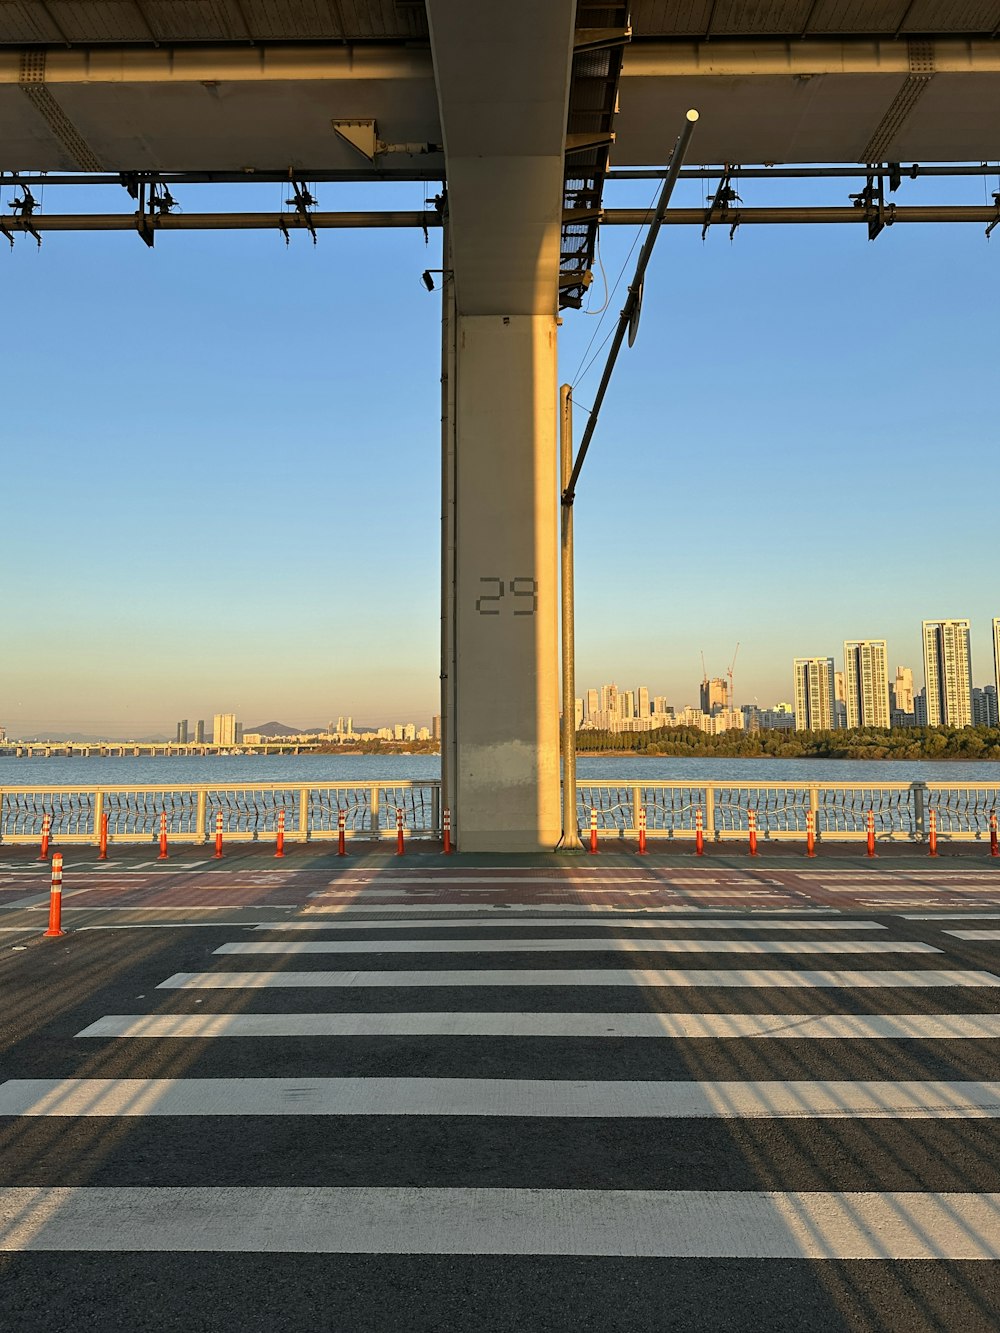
(277, 559)
(805, 688)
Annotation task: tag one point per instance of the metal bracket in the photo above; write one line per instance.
(160, 203)
(878, 214)
(23, 209)
(302, 200)
(718, 208)
(996, 220)
(362, 135)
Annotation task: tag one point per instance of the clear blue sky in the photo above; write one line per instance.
(221, 462)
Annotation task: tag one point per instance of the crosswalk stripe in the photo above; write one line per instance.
(736, 923)
(615, 1099)
(974, 934)
(593, 945)
(404, 909)
(951, 916)
(565, 1025)
(757, 978)
(406, 1220)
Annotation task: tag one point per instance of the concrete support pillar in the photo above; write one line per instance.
(506, 604)
(502, 69)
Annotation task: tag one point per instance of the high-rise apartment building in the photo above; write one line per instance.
(902, 689)
(642, 694)
(224, 727)
(948, 673)
(593, 702)
(839, 702)
(199, 732)
(996, 654)
(182, 732)
(714, 695)
(814, 693)
(984, 707)
(866, 683)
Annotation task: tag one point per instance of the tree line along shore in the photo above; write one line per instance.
(973, 744)
(932, 743)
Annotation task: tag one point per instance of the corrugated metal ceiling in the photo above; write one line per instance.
(92, 22)
(816, 18)
(87, 22)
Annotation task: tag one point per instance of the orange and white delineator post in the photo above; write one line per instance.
(164, 854)
(43, 853)
(994, 849)
(593, 831)
(55, 897)
(871, 833)
(218, 835)
(103, 844)
(699, 833)
(642, 830)
(279, 840)
(752, 830)
(341, 832)
(810, 835)
(400, 843)
(932, 834)
(446, 832)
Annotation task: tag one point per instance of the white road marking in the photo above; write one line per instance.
(487, 881)
(645, 923)
(974, 934)
(757, 979)
(163, 925)
(566, 1025)
(408, 1220)
(595, 944)
(951, 916)
(502, 909)
(533, 1098)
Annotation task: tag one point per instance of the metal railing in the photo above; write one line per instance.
(840, 810)
(249, 811)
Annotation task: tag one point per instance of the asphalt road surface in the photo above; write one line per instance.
(386, 1101)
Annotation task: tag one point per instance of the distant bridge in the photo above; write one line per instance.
(119, 749)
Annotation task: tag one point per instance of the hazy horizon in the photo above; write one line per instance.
(241, 502)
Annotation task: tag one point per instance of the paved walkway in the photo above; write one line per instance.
(529, 1093)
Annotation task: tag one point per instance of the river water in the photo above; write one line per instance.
(298, 769)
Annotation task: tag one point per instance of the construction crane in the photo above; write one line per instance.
(729, 673)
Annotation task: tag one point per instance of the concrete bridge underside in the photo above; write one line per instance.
(482, 94)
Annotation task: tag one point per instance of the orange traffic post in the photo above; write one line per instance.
(55, 897)
(994, 849)
(279, 841)
(699, 834)
(642, 830)
(752, 827)
(341, 832)
(103, 853)
(446, 832)
(810, 835)
(218, 835)
(400, 844)
(871, 832)
(163, 837)
(43, 854)
(593, 832)
(932, 834)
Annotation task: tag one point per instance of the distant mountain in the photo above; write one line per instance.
(275, 729)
